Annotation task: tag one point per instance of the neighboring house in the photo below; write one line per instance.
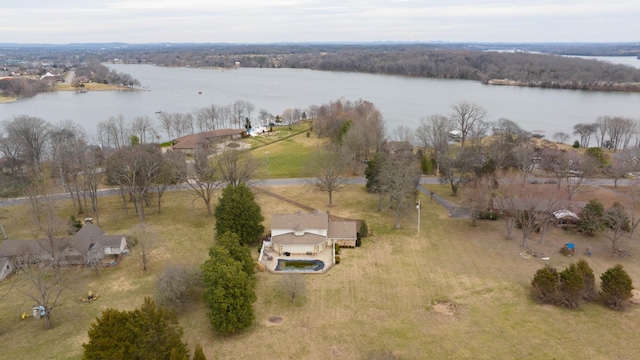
(88, 246)
(564, 212)
(310, 233)
(203, 140)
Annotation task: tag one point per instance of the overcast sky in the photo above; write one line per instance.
(260, 21)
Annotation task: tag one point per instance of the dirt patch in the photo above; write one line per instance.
(274, 320)
(444, 309)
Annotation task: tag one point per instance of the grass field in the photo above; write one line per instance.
(455, 292)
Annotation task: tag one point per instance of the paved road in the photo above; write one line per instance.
(71, 75)
(454, 210)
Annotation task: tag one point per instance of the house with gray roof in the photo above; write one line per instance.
(89, 245)
(310, 233)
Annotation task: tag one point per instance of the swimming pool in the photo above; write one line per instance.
(299, 265)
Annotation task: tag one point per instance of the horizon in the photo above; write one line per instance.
(315, 21)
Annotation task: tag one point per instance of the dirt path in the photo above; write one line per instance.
(332, 217)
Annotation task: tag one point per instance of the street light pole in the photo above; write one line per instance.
(418, 207)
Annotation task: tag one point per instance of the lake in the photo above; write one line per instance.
(401, 100)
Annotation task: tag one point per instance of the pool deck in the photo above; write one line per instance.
(325, 256)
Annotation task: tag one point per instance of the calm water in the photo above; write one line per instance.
(402, 100)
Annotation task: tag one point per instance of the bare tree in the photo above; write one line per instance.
(203, 178)
(143, 127)
(93, 173)
(147, 246)
(571, 169)
(457, 170)
(366, 132)
(67, 150)
(507, 137)
(620, 131)
(166, 122)
(561, 137)
(617, 224)
(45, 288)
(31, 134)
(328, 166)
(135, 169)
(403, 134)
(527, 206)
(173, 170)
(465, 115)
(293, 286)
(585, 131)
(433, 133)
(208, 117)
(176, 286)
(621, 165)
(600, 127)
(399, 176)
(289, 117)
(236, 166)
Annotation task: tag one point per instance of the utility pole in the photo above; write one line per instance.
(418, 207)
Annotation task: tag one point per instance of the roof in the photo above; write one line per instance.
(23, 247)
(291, 239)
(563, 214)
(537, 204)
(86, 237)
(300, 221)
(342, 230)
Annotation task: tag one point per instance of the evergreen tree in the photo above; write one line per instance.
(229, 292)
(239, 213)
(592, 218)
(616, 286)
(240, 253)
(144, 333)
(544, 287)
(198, 353)
(589, 280)
(571, 287)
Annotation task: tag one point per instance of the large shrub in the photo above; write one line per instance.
(592, 218)
(616, 286)
(544, 287)
(590, 292)
(571, 287)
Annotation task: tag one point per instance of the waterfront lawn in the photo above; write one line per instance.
(288, 158)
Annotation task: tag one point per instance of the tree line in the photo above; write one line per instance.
(451, 61)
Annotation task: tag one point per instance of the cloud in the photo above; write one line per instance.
(67, 21)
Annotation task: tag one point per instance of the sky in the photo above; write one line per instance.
(267, 21)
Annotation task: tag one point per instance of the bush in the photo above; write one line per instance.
(616, 286)
(568, 288)
(487, 215)
(571, 287)
(545, 285)
(337, 259)
(576, 144)
(590, 293)
(364, 230)
(175, 287)
(337, 249)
